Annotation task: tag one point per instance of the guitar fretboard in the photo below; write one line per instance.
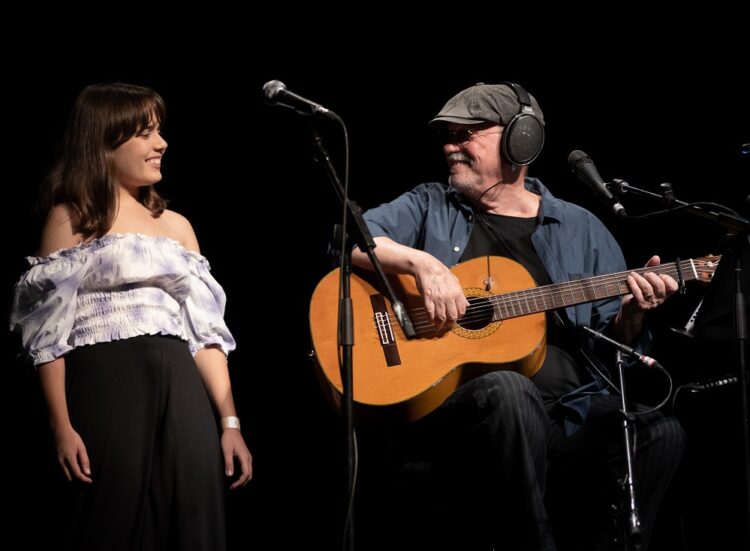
(560, 295)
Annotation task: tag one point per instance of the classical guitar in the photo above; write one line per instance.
(503, 328)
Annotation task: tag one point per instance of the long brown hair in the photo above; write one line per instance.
(104, 117)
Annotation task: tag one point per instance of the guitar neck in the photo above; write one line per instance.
(560, 295)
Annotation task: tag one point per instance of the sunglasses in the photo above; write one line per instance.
(460, 134)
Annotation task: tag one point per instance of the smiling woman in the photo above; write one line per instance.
(137, 162)
(124, 321)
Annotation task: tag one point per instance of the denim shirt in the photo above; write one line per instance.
(571, 242)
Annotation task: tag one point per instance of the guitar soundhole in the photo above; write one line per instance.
(478, 314)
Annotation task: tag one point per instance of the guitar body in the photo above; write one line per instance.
(405, 379)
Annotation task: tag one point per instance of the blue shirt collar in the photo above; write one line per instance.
(550, 208)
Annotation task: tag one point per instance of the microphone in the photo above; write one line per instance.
(585, 169)
(648, 361)
(715, 383)
(276, 93)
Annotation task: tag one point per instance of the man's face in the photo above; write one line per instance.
(473, 156)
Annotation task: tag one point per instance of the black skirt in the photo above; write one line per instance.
(143, 414)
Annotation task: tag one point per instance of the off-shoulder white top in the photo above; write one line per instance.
(116, 287)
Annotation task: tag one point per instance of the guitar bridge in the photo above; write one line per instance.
(385, 330)
(384, 326)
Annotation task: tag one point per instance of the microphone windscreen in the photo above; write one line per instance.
(575, 156)
(272, 88)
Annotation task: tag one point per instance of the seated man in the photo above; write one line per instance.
(504, 439)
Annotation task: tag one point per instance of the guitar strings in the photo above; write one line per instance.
(513, 302)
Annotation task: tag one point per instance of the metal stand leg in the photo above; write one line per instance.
(633, 525)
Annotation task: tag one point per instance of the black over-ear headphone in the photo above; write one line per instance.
(523, 136)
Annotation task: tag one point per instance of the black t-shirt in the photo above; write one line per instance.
(509, 236)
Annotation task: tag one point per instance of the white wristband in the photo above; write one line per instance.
(230, 422)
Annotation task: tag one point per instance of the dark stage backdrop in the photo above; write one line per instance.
(243, 173)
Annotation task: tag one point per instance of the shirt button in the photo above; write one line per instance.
(456, 249)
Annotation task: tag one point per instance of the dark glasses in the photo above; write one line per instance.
(460, 134)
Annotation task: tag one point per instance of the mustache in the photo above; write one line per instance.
(458, 157)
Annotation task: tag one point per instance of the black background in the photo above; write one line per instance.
(243, 173)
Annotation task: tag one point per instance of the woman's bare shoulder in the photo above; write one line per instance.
(58, 232)
(180, 229)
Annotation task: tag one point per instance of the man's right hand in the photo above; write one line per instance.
(443, 295)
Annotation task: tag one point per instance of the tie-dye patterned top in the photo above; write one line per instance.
(116, 287)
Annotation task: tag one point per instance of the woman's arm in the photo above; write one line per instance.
(71, 451)
(212, 365)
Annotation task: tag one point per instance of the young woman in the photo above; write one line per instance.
(124, 321)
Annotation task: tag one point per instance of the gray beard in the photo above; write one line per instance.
(467, 187)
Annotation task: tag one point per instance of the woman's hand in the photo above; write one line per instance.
(72, 455)
(233, 445)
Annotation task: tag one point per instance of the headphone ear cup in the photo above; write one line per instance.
(523, 139)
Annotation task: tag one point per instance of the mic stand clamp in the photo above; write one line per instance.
(633, 533)
(667, 194)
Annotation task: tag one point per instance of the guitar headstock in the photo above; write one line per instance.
(705, 267)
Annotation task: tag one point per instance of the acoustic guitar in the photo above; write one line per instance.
(503, 328)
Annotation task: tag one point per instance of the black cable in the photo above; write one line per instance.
(682, 207)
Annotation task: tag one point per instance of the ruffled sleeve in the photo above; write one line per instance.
(203, 309)
(44, 304)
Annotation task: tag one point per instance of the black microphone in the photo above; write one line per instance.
(715, 383)
(277, 93)
(585, 169)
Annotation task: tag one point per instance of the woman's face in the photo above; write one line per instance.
(137, 162)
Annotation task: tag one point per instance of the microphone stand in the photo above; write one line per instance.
(729, 221)
(739, 228)
(633, 533)
(365, 242)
